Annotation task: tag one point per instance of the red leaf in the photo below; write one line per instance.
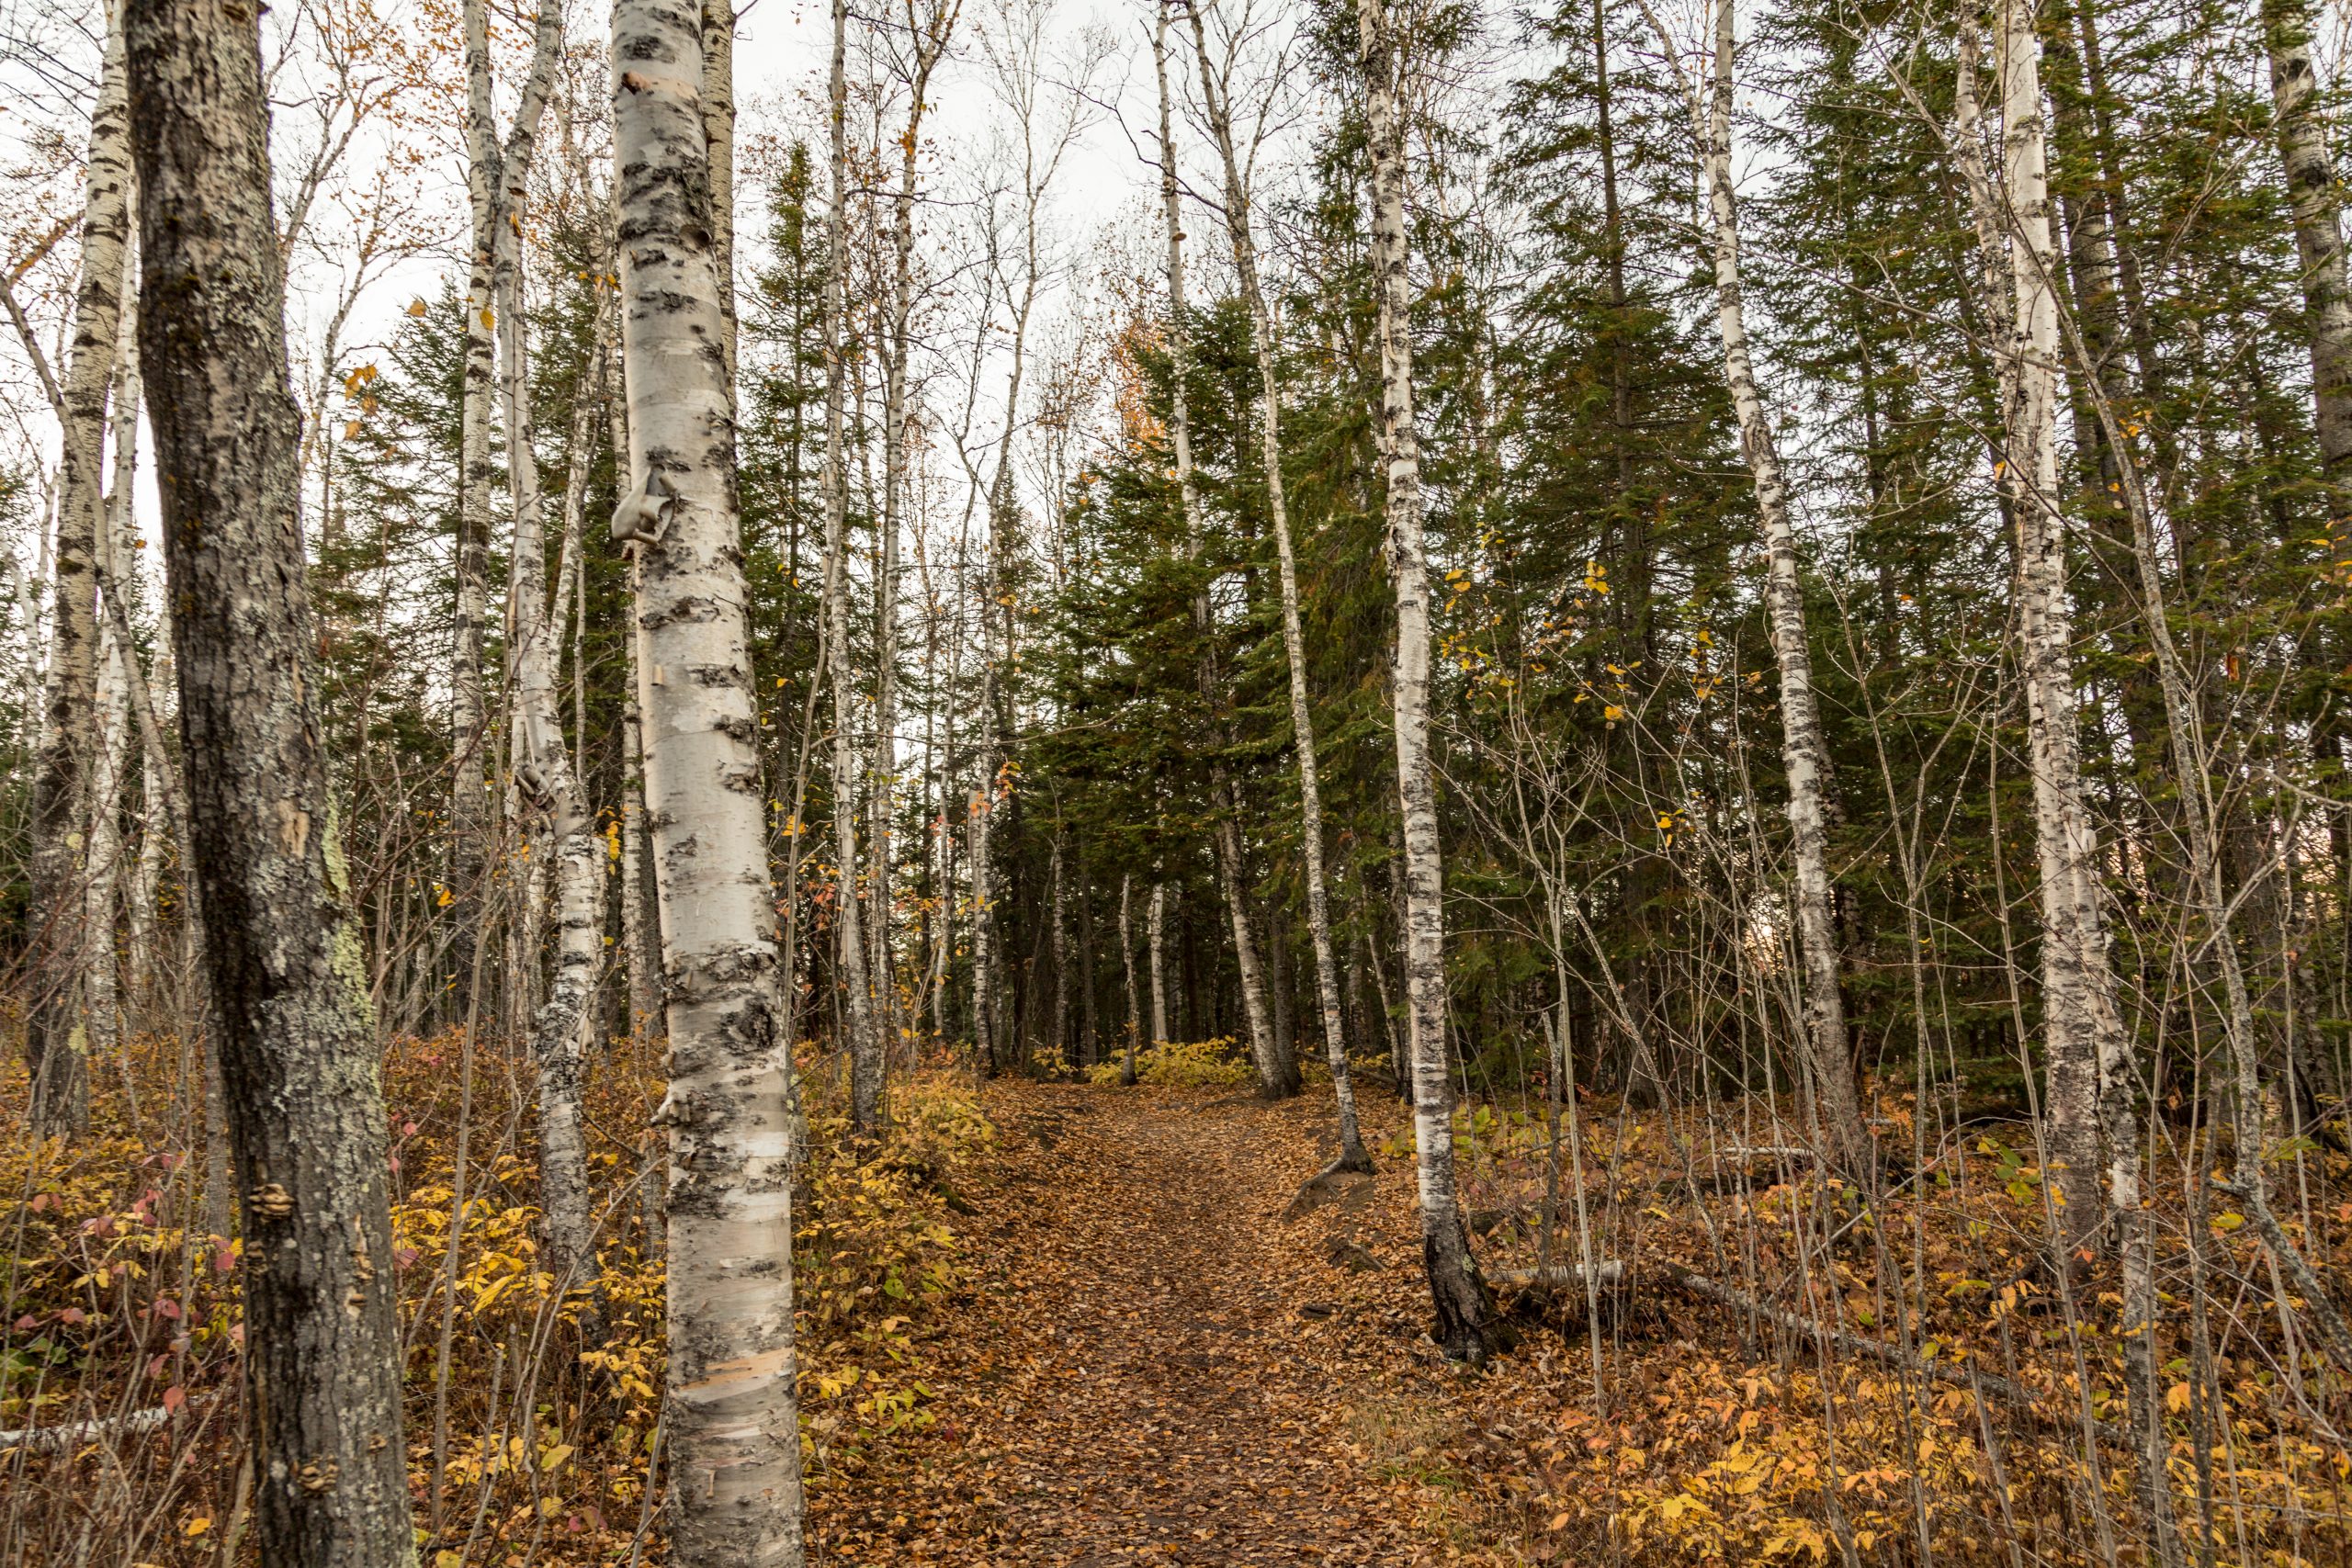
(174, 1397)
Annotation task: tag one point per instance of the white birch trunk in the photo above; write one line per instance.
(1828, 1076)
(1157, 924)
(557, 820)
(1352, 1156)
(1467, 1327)
(2317, 197)
(865, 1041)
(470, 801)
(1272, 1078)
(56, 1029)
(2083, 1027)
(730, 1411)
(983, 919)
(117, 542)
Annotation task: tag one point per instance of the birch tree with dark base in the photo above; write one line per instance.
(297, 1059)
(730, 1415)
(1467, 1326)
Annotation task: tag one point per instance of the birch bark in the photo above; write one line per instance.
(56, 1027)
(470, 801)
(2318, 204)
(106, 883)
(298, 1060)
(556, 817)
(2082, 1026)
(1466, 1324)
(1276, 1079)
(1157, 924)
(1837, 1111)
(864, 1040)
(731, 1413)
(1310, 790)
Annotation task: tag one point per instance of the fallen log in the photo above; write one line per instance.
(1609, 1276)
(73, 1434)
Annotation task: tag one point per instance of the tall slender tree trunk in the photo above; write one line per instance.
(470, 801)
(550, 805)
(730, 1410)
(56, 1027)
(1838, 1124)
(1310, 789)
(864, 1040)
(116, 538)
(930, 43)
(637, 936)
(1273, 1079)
(1127, 961)
(299, 1063)
(1156, 940)
(2082, 1023)
(984, 1010)
(556, 816)
(2318, 203)
(1466, 1324)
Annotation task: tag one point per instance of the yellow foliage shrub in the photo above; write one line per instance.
(1181, 1064)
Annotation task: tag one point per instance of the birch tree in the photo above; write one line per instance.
(729, 1415)
(1276, 1077)
(1216, 101)
(1837, 1113)
(57, 1038)
(497, 176)
(2315, 193)
(2084, 1028)
(865, 1039)
(1466, 1324)
(297, 1059)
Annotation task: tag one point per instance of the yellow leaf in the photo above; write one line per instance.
(495, 1288)
(196, 1527)
(553, 1459)
(489, 321)
(416, 308)
(2177, 1398)
(2228, 1222)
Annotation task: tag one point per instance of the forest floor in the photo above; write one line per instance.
(1156, 1359)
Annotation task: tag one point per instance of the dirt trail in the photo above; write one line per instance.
(1153, 1364)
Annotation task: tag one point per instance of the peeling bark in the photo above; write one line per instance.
(730, 1415)
(2085, 1031)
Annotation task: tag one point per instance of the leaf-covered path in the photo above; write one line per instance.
(1156, 1357)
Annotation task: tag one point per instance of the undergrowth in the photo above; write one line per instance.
(533, 1403)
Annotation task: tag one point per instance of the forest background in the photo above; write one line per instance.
(1745, 607)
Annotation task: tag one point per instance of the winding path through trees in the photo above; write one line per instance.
(1154, 1361)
